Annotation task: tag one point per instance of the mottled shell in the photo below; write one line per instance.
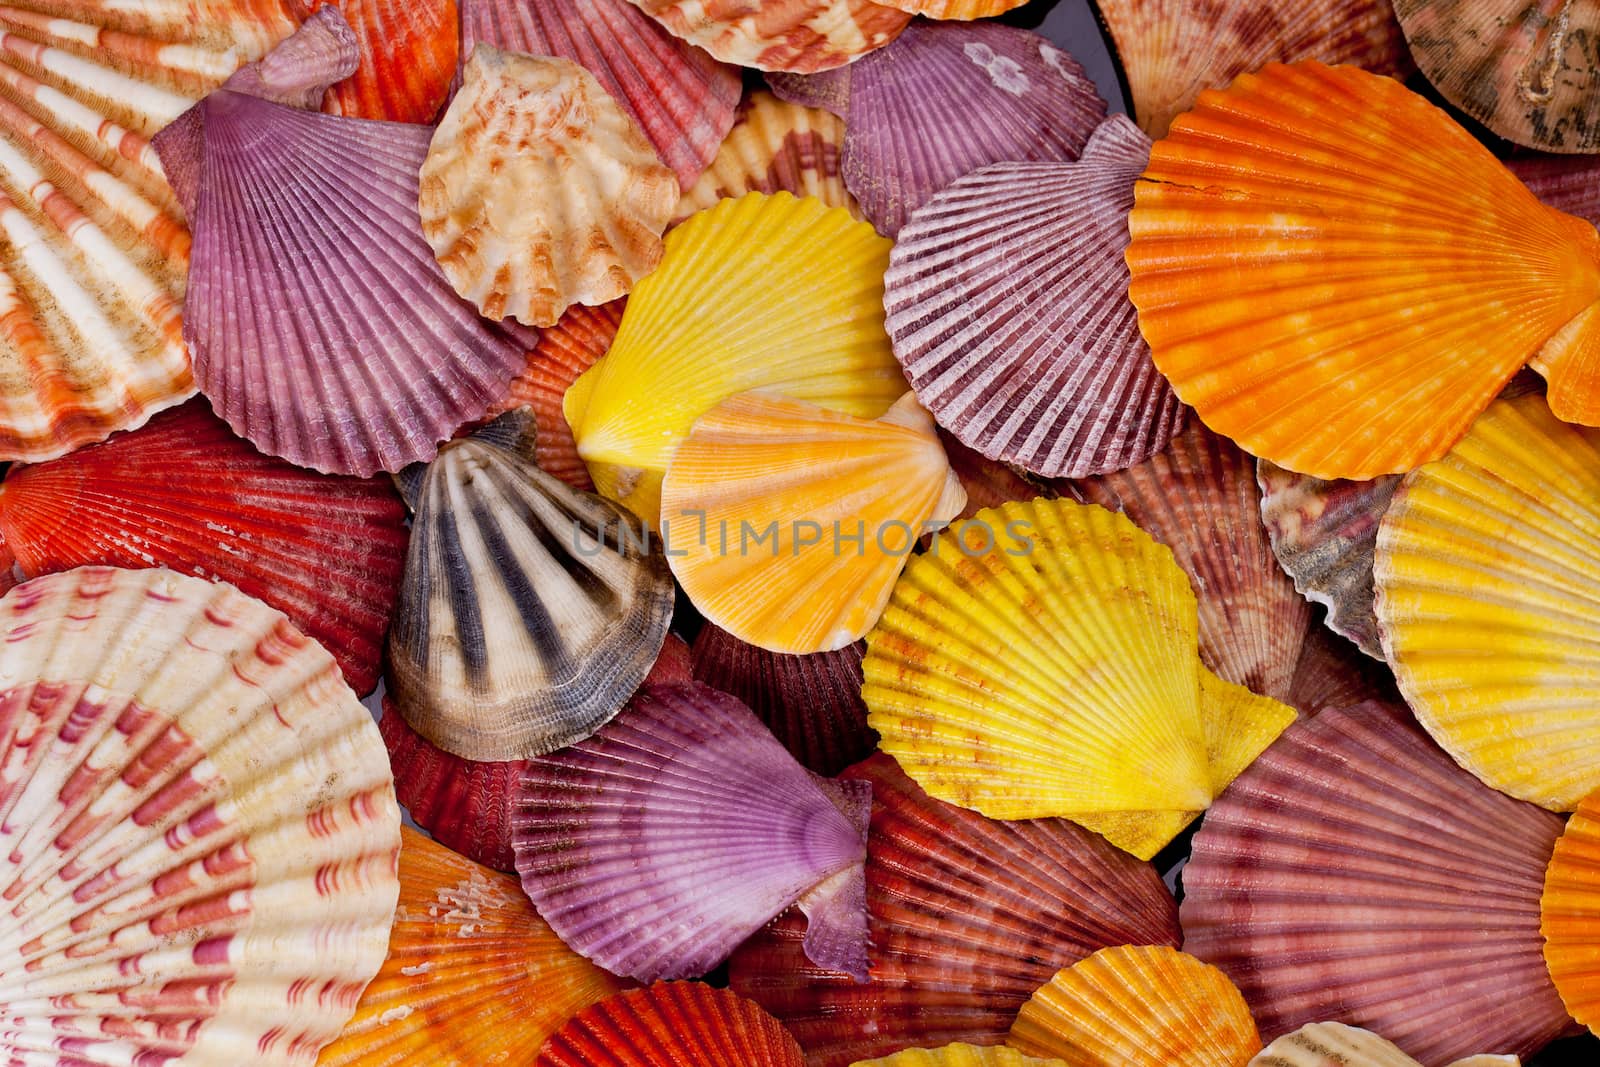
(793, 35)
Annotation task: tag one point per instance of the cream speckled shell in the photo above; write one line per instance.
(539, 191)
(1338, 1045)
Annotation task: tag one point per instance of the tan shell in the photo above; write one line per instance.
(798, 36)
(539, 191)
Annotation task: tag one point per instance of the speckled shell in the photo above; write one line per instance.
(801, 36)
(1354, 872)
(1338, 1045)
(530, 611)
(968, 917)
(473, 975)
(672, 1023)
(960, 1055)
(183, 492)
(199, 822)
(1138, 1006)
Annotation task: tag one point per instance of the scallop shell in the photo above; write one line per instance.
(960, 1055)
(1569, 914)
(681, 98)
(1488, 601)
(1566, 183)
(1170, 50)
(946, 99)
(530, 611)
(1198, 497)
(672, 1023)
(1324, 534)
(1328, 277)
(1338, 1045)
(807, 324)
(564, 351)
(985, 677)
(1355, 873)
(93, 263)
(968, 917)
(409, 52)
(1333, 673)
(183, 492)
(762, 496)
(658, 845)
(200, 827)
(812, 704)
(1005, 301)
(473, 975)
(539, 192)
(775, 146)
(959, 10)
(1524, 70)
(801, 36)
(988, 482)
(1138, 1006)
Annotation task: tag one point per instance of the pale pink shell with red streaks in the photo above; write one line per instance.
(198, 827)
(800, 36)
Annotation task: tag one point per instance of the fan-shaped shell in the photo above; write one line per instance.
(183, 492)
(473, 975)
(1355, 873)
(960, 1055)
(960, 10)
(1488, 600)
(1198, 497)
(989, 677)
(1333, 673)
(1570, 913)
(807, 324)
(672, 1023)
(947, 99)
(1524, 70)
(1566, 183)
(989, 483)
(681, 98)
(968, 917)
(1133, 1006)
(1170, 50)
(762, 496)
(1006, 304)
(658, 845)
(409, 53)
(200, 827)
(793, 35)
(530, 611)
(1338, 1045)
(539, 192)
(775, 146)
(1328, 276)
(812, 704)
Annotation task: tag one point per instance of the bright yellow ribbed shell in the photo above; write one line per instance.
(959, 1055)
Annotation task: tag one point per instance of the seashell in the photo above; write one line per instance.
(659, 844)
(9, 579)
(1138, 1006)
(1324, 534)
(682, 99)
(1523, 70)
(183, 492)
(812, 704)
(92, 269)
(1566, 183)
(946, 99)
(809, 326)
(760, 468)
(1336, 281)
(539, 192)
(1568, 913)
(201, 827)
(968, 917)
(473, 975)
(1333, 673)
(959, 1055)
(1171, 50)
(1198, 497)
(304, 362)
(801, 36)
(672, 1023)
(985, 677)
(564, 351)
(960, 10)
(775, 146)
(827, 90)
(1355, 873)
(1051, 373)
(467, 805)
(1338, 1045)
(409, 52)
(1499, 541)
(530, 611)
(298, 72)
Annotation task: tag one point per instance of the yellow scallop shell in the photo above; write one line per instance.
(960, 1055)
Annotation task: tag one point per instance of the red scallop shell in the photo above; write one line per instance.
(672, 1024)
(409, 52)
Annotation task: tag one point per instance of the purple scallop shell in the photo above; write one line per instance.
(1007, 304)
(682, 827)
